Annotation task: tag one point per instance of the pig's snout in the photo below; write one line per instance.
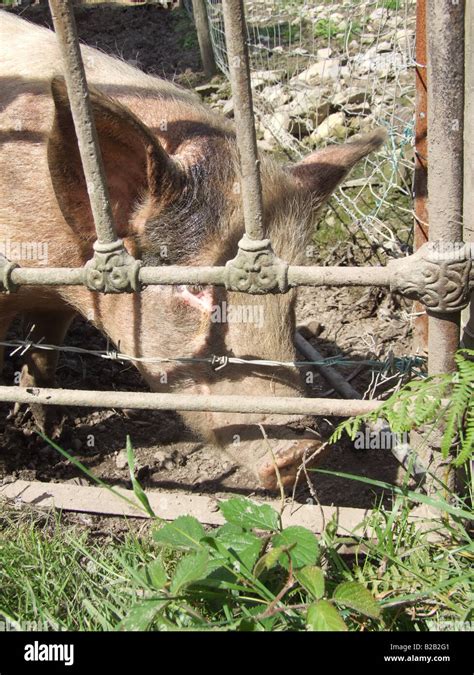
(271, 448)
(286, 459)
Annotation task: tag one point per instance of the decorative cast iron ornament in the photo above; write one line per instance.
(112, 269)
(256, 269)
(6, 269)
(440, 275)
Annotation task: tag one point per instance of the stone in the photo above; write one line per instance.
(280, 120)
(160, 456)
(324, 54)
(350, 96)
(260, 78)
(326, 69)
(383, 65)
(332, 127)
(308, 103)
(207, 89)
(360, 109)
(310, 329)
(121, 461)
(228, 108)
(276, 95)
(403, 39)
(384, 47)
(378, 15)
(300, 51)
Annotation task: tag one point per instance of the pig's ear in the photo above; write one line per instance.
(135, 162)
(321, 172)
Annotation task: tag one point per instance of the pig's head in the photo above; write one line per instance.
(175, 197)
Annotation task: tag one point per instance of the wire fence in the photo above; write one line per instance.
(322, 72)
(404, 365)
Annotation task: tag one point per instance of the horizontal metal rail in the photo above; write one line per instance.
(174, 274)
(439, 274)
(189, 402)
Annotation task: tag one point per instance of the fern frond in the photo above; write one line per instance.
(422, 402)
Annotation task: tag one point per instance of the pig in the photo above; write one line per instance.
(172, 170)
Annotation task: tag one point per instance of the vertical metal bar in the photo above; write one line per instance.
(420, 187)
(204, 37)
(468, 204)
(235, 35)
(445, 177)
(74, 74)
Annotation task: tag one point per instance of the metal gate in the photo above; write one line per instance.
(440, 274)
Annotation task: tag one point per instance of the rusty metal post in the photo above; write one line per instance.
(235, 35)
(204, 37)
(445, 140)
(468, 205)
(445, 36)
(75, 76)
(420, 186)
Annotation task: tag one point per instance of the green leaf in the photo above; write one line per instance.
(227, 528)
(353, 595)
(189, 569)
(268, 560)
(141, 616)
(183, 533)
(155, 574)
(247, 625)
(304, 546)
(248, 514)
(137, 488)
(244, 548)
(323, 616)
(312, 580)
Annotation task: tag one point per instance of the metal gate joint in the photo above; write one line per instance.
(440, 275)
(112, 269)
(256, 269)
(6, 269)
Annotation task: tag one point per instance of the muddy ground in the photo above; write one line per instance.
(354, 322)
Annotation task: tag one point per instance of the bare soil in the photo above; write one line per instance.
(353, 322)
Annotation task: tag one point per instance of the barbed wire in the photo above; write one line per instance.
(403, 364)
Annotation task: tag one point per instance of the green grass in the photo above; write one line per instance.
(391, 4)
(325, 28)
(56, 575)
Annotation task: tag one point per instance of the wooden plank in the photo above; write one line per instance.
(170, 505)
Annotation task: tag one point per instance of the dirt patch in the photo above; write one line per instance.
(353, 322)
(156, 40)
